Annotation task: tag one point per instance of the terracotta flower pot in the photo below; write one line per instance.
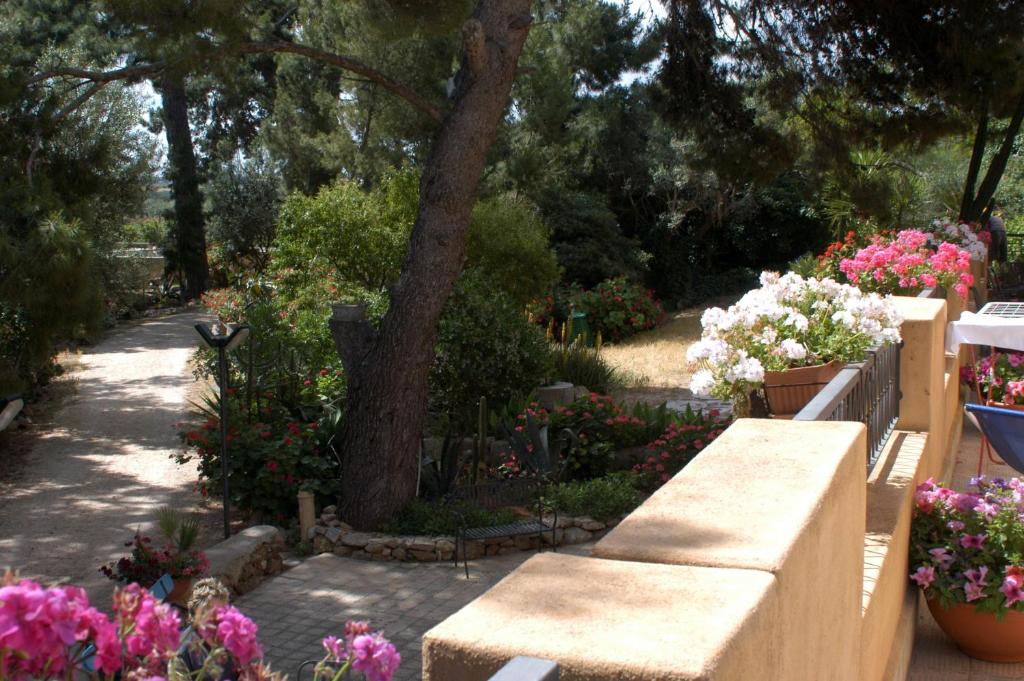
(993, 403)
(980, 634)
(789, 391)
(180, 593)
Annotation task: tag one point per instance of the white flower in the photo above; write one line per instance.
(793, 349)
(702, 382)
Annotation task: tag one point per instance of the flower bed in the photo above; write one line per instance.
(999, 376)
(330, 535)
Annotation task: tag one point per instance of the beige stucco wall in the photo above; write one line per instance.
(605, 619)
(770, 555)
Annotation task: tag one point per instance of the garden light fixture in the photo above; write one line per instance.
(223, 338)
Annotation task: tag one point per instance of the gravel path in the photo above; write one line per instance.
(106, 465)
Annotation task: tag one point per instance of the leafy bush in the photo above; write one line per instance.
(605, 498)
(580, 365)
(244, 197)
(618, 308)
(680, 442)
(508, 242)
(485, 348)
(439, 518)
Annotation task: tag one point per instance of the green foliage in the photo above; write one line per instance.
(347, 234)
(618, 308)
(606, 498)
(244, 197)
(508, 243)
(485, 348)
(682, 438)
(439, 518)
(580, 365)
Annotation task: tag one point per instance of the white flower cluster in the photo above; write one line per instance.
(959, 233)
(789, 321)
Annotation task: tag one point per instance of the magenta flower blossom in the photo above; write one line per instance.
(973, 591)
(973, 541)
(942, 556)
(235, 632)
(335, 648)
(375, 657)
(1012, 591)
(955, 525)
(987, 509)
(924, 576)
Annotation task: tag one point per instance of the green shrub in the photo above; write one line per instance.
(439, 518)
(244, 197)
(618, 308)
(605, 498)
(677, 446)
(509, 243)
(580, 365)
(485, 348)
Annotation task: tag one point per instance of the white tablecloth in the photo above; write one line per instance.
(1000, 332)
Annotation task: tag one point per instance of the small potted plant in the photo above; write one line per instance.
(177, 557)
(999, 378)
(967, 555)
(791, 336)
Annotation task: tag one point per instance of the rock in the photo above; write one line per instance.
(289, 563)
(505, 550)
(356, 539)
(361, 555)
(546, 537)
(425, 556)
(334, 523)
(332, 509)
(275, 566)
(447, 555)
(509, 543)
(494, 541)
(311, 534)
(392, 542)
(565, 521)
(326, 518)
(421, 544)
(445, 545)
(526, 541)
(398, 553)
(474, 550)
(554, 395)
(575, 535)
(386, 552)
(333, 534)
(319, 529)
(591, 525)
(321, 545)
(342, 550)
(375, 546)
(345, 527)
(492, 550)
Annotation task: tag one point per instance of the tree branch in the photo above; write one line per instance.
(977, 152)
(997, 166)
(349, 64)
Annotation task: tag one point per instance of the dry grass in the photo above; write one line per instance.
(657, 358)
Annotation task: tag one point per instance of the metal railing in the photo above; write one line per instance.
(868, 392)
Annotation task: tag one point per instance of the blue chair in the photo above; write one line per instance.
(159, 590)
(1004, 430)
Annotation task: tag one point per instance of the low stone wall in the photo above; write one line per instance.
(331, 535)
(247, 558)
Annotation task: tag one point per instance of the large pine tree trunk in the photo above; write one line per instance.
(188, 202)
(387, 369)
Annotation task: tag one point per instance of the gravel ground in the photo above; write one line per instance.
(105, 465)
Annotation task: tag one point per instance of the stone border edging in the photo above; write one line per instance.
(330, 535)
(243, 560)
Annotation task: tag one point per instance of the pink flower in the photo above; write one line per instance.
(375, 657)
(924, 576)
(335, 648)
(973, 591)
(1011, 590)
(955, 525)
(942, 556)
(235, 632)
(973, 541)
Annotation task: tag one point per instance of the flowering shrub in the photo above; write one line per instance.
(906, 264)
(970, 237)
(1000, 377)
(969, 547)
(273, 454)
(146, 564)
(52, 633)
(827, 265)
(678, 445)
(618, 308)
(788, 322)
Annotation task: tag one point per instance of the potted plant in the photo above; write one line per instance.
(791, 336)
(177, 557)
(967, 555)
(999, 378)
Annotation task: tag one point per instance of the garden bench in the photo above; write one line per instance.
(495, 495)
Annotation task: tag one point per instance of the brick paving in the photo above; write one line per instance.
(935, 657)
(298, 608)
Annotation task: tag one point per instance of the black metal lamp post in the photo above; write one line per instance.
(224, 338)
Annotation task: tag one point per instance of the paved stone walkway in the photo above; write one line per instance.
(106, 466)
(297, 609)
(936, 658)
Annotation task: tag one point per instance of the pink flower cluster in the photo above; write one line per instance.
(905, 263)
(961, 539)
(228, 628)
(364, 650)
(44, 633)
